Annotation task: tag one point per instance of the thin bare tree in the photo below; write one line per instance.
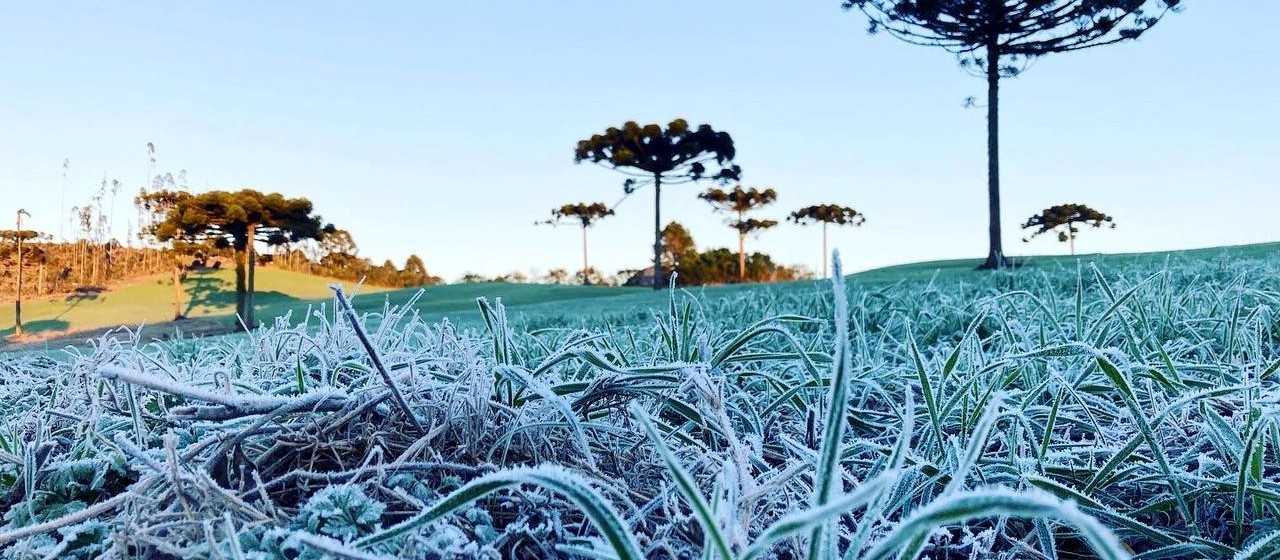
(586, 215)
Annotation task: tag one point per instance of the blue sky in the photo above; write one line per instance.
(447, 128)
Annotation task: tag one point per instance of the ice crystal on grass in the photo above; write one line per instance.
(343, 512)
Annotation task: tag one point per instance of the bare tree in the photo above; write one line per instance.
(19, 235)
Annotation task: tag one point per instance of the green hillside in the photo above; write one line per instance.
(206, 294)
(210, 295)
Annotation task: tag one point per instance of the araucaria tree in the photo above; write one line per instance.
(998, 38)
(587, 215)
(827, 214)
(661, 156)
(238, 220)
(1064, 219)
(739, 201)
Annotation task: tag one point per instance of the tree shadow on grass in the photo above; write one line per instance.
(203, 289)
(81, 295)
(37, 326)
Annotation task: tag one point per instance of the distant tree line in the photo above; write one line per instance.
(336, 255)
(654, 155)
(657, 156)
(52, 268)
(178, 232)
(719, 265)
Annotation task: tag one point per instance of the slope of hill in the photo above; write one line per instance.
(149, 300)
(209, 303)
(210, 300)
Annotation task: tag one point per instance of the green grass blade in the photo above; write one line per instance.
(995, 502)
(685, 483)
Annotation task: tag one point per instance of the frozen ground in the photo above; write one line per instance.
(1063, 411)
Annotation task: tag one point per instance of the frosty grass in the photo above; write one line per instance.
(1060, 412)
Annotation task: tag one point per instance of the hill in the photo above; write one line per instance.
(148, 300)
(211, 301)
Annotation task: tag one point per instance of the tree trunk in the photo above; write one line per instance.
(657, 231)
(177, 291)
(241, 286)
(253, 262)
(586, 279)
(825, 256)
(17, 302)
(742, 251)
(995, 252)
(1071, 238)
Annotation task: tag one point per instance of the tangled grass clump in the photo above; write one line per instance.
(1060, 413)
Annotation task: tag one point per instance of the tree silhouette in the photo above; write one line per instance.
(338, 242)
(157, 205)
(556, 276)
(587, 215)
(1063, 218)
(658, 156)
(827, 214)
(415, 273)
(18, 236)
(239, 220)
(999, 38)
(739, 201)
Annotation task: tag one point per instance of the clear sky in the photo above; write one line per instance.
(447, 128)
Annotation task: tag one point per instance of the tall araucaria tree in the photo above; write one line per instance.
(661, 156)
(998, 38)
(1064, 218)
(827, 214)
(586, 215)
(739, 201)
(239, 220)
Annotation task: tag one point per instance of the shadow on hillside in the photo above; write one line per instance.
(81, 295)
(217, 296)
(205, 290)
(42, 325)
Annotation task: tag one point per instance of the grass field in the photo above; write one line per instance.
(210, 294)
(1116, 407)
(149, 300)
